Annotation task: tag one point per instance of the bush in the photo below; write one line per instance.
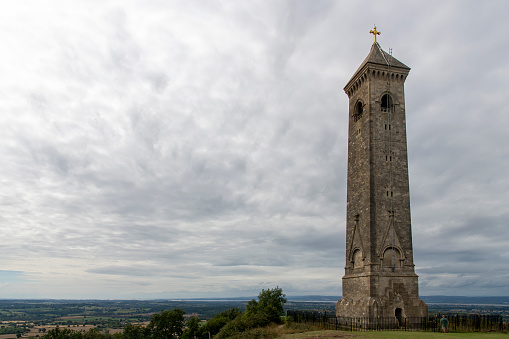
(243, 324)
(240, 324)
(258, 314)
(215, 324)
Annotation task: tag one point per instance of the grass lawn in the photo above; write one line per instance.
(393, 334)
(431, 335)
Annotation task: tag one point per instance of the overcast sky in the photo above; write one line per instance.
(166, 149)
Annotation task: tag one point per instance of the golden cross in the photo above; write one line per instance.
(374, 32)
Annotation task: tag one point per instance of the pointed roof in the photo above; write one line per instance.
(380, 57)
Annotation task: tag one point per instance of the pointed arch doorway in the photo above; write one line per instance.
(399, 315)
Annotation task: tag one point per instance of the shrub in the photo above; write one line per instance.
(243, 324)
(215, 324)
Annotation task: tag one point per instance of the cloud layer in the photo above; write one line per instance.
(188, 149)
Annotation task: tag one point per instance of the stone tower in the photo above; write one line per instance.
(379, 274)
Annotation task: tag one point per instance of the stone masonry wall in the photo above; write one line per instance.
(379, 272)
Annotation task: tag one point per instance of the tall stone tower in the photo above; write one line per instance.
(379, 274)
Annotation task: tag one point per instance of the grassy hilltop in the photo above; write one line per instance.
(393, 335)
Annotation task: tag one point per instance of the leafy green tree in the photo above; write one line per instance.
(270, 304)
(230, 314)
(167, 324)
(259, 313)
(214, 325)
(134, 332)
(57, 333)
(95, 334)
(193, 328)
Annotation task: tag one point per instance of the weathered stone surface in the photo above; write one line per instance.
(379, 274)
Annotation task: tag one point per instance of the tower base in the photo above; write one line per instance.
(387, 296)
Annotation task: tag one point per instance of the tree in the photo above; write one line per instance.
(134, 332)
(167, 324)
(259, 313)
(230, 314)
(56, 333)
(270, 304)
(193, 328)
(94, 334)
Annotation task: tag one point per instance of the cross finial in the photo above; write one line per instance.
(374, 32)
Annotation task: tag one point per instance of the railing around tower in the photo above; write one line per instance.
(460, 323)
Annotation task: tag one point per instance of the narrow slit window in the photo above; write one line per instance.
(358, 111)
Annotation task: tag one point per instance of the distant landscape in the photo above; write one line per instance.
(38, 316)
(117, 312)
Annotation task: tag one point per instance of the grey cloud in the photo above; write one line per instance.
(166, 142)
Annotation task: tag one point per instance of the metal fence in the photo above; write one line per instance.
(457, 322)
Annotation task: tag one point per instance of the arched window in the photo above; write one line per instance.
(391, 258)
(386, 103)
(357, 259)
(357, 112)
